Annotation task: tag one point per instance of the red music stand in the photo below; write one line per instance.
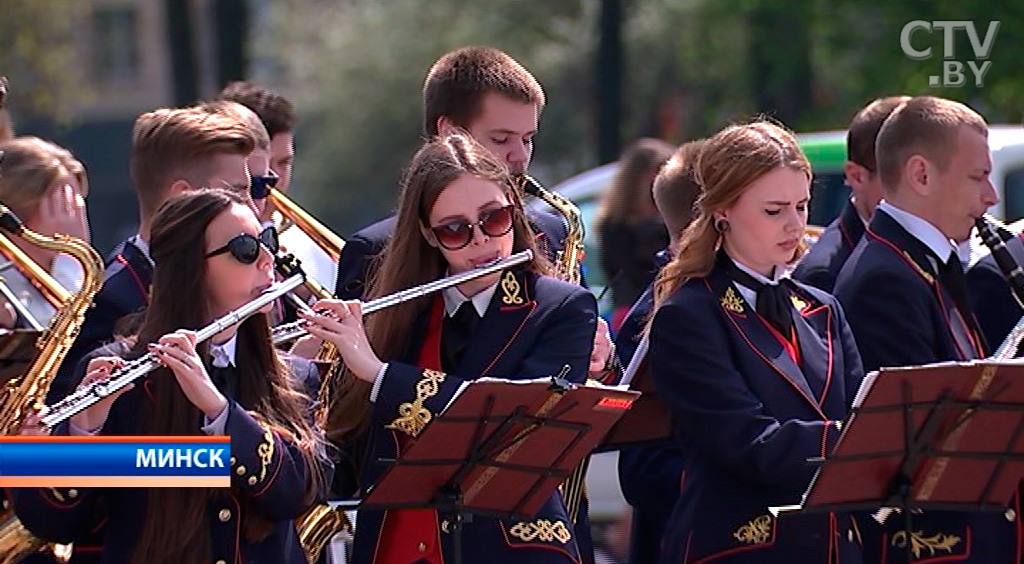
(501, 448)
(647, 422)
(946, 436)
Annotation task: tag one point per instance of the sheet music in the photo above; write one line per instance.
(634, 363)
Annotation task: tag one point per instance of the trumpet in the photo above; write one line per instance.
(132, 371)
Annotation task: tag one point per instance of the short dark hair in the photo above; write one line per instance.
(676, 188)
(458, 81)
(863, 131)
(926, 126)
(276, 112)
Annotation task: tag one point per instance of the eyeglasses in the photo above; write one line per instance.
(246, 248)
(457, 234)
(261, 185)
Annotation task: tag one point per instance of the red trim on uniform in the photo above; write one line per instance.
(403, 530)
(143, 290)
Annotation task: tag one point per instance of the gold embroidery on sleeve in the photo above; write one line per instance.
(265, 450)
(757, 531)
(510, 287)
(918, 542)
(542, 530)
(412, 416)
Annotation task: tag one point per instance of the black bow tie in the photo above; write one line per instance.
(774, 301)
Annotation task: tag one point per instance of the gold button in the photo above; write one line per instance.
(240, 470)
(444, 526)
(1010, 515)
(252, 480)
(220, 562)
(422, 547)
(232, 460)
(224, 515)
(72, 493)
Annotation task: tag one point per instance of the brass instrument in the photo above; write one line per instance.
(568, 267)
(568, 261)
(298, 217)
(22, 395)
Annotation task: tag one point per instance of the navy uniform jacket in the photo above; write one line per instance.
(993, 303)
(274, 486)
(821, 265)
(125, 290)
(366, 245)
(748, 417)
(650, 475)
(533, 327)
(902, 316)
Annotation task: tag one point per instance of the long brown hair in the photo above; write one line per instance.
(176, 527)
(628, 199)
(728, 164)
(409, 260)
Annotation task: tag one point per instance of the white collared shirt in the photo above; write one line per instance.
(750, 294)
(921, 230)
(453, 298)
(224, 353)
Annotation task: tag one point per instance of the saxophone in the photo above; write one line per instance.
(568, 267)
(568, 261)
(21, 396)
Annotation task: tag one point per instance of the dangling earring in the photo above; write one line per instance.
(721, 225)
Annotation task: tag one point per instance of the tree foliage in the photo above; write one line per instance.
(691, 67)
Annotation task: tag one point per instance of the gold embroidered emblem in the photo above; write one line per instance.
(57, 494)
(924, 273)
(510, 288)
(542, 530)
(265, 450)
(757, 531)
(918, 542)
(412, 416)
(731, 301)
(798, 303)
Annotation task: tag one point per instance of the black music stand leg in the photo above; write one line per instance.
(450, 502)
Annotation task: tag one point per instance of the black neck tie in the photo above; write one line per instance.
(224, 378)
(455, 334)
(774, 301)
(951, 274)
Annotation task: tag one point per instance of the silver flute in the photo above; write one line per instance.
(85, 397)
(290, 331)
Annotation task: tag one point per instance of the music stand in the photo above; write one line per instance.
(500, 449)
(947, 436)
(647, 422)
(17, 351)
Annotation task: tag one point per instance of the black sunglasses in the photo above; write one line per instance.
(261, 185)
(457, 234)
(246, 248)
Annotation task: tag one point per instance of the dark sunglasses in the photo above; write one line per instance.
(457, 234)
(261, 185)
(246, 248)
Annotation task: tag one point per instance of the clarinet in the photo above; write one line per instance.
(995, 237)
